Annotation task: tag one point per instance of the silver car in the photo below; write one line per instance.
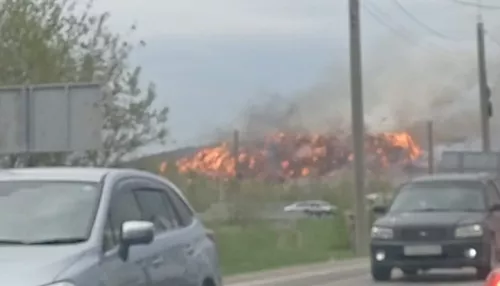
(312, 207)
(109, 227)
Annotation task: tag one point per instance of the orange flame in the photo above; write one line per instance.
(297, 155)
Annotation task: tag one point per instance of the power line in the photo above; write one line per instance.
(380, 16)
(477, 5)
(422, 24)
(480, 6)
(369, 6)
(492, 39)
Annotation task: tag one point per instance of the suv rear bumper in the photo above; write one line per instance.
(453, 254)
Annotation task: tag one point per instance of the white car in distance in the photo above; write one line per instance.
(316, 208)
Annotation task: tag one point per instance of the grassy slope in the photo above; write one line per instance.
(262, 245)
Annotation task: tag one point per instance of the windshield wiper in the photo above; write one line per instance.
(43, 242)
(470, 210)
(430, 210)
(57, 241)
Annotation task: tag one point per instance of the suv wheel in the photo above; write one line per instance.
(483, 271)
(380, 273)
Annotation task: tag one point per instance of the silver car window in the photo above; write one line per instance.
(39, 211)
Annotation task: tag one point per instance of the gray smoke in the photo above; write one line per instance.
(403, 88)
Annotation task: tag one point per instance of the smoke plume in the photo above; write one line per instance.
(403, 88)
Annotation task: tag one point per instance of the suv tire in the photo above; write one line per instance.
(380, 273)
(483, 271)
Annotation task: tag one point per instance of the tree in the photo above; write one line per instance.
(47, 41)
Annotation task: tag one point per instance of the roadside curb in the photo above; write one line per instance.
(294, 273)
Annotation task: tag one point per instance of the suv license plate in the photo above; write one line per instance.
(421, 250)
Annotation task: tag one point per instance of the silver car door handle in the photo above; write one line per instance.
(157, 261)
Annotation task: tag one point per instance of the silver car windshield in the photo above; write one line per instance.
(47, 212)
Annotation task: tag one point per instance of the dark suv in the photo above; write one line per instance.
(438, 221)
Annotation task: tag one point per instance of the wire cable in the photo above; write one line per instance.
(372, 11)
(381, 17)
(492, 39)
(477, 5)
(422, 24)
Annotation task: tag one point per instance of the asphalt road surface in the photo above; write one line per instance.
(354, 273)
(436, 278)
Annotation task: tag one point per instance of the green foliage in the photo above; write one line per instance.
(263, 245)
(47, 41)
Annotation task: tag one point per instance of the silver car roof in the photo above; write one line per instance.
(56, 173)
(312, 202)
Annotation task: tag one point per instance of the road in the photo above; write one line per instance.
(438, 278)
(354, 273)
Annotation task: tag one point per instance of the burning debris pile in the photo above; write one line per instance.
(288, 156)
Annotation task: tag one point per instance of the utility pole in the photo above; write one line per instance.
(28, 155)
(430, 147)
(361, 223)
(235, 184)
(484, 91)
(236, 154)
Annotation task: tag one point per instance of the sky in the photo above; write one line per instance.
(212, 59)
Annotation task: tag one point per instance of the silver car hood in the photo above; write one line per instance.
(36, 265)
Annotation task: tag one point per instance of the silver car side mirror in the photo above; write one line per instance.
(135, 233)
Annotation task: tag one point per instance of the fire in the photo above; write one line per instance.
(286, 156)
(217, 160)
(404, 141)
